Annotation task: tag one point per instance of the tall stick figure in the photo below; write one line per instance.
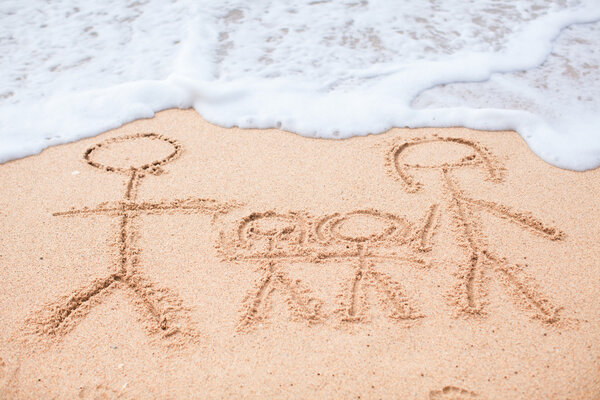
(160, 308)
(471, 290)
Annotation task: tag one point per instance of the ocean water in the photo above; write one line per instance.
(320, 68)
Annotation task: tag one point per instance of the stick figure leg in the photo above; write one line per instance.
(353, 298)
(301, 305)
(164, 310)
(392, 296)
(524, 292)
(62, 315)
(471, 286)
(255, 303)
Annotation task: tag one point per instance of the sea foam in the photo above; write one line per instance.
(329, 69)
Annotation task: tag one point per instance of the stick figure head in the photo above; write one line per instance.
(270, 230)
(363, 227)
(440, 154)
(139, 152)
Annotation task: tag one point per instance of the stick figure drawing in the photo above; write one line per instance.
(472, 287)
(160, 308)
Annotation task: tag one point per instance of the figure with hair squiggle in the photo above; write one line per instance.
(472, 289)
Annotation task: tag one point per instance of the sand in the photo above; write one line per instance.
(229, 263)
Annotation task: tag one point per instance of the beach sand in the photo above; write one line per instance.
(231, 263)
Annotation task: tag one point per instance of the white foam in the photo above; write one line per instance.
(319, 68)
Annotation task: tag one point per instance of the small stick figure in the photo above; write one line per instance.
(361, 231)
(471, 289)
(162, 309)
(273, 240)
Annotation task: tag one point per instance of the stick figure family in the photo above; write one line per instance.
(361, 239)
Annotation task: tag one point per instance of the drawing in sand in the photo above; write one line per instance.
(372, 237)
(160, 308)
(361, 239)
(272, 241)
(471, 290)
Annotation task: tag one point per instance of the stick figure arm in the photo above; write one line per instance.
(102, 210)
(523, 219)
(189, 205)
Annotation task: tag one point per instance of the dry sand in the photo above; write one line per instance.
(416, 264)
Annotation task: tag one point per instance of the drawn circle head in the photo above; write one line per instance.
(141, 152)
(440, 154)
(272, 226)
(363, 226)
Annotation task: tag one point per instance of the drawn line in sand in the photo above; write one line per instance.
(160, 309)
(452, 393)
(389, 229)
(361, 238)
(300, 304)
(471, 291)
(431, 222)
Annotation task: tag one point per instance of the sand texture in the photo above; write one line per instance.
(172, 258)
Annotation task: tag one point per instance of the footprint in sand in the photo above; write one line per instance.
(453, 393)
